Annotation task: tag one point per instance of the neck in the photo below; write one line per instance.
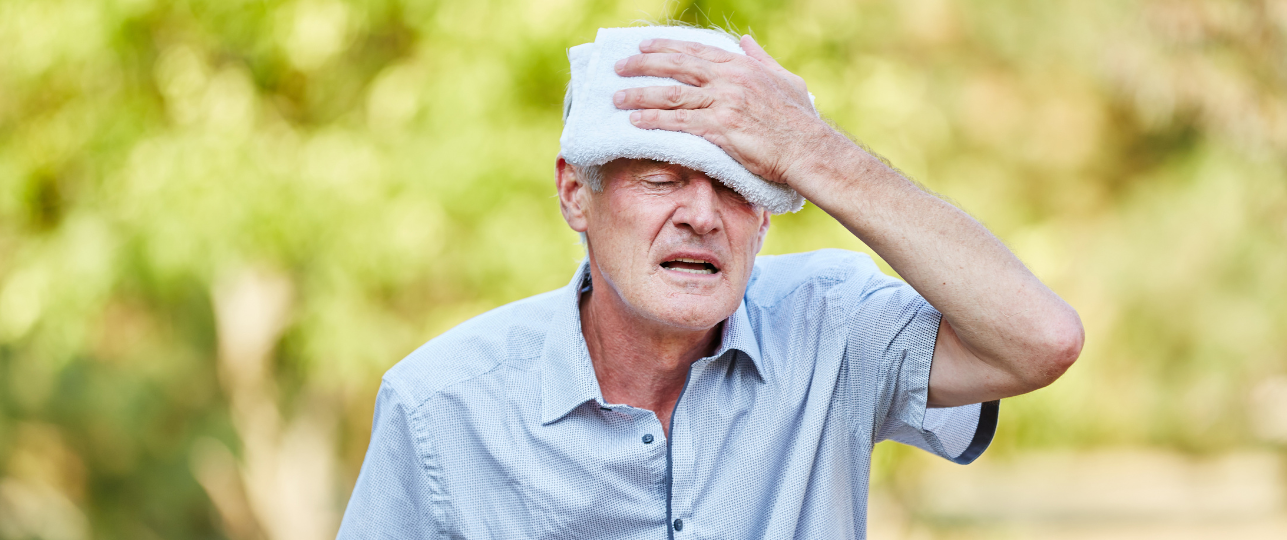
(638, 361)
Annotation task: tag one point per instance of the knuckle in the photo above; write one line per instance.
(733, 97)
(651, 115)
(683, 116)
(673, 95)
(678, 59)
(727, 117)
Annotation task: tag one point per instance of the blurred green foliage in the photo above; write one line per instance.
(349, 179)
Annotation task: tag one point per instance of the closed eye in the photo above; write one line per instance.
(660, 181)
(732, 195)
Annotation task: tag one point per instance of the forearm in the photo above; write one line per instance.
(1004, 333)
(998, 309)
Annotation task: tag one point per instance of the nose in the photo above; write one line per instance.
(699, 207)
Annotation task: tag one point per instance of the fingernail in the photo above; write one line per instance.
(621, 64)
(645, 43)
(619, 97)
(635, 116)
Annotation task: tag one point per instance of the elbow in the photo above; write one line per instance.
(1057, 348)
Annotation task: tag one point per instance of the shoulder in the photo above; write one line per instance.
(779, 276)
(474, 348)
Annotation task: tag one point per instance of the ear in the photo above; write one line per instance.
(764, 230)
(573, 195)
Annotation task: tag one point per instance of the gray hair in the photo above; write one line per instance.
(592, 175)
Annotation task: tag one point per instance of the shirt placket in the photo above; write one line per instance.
(681, 460)
(652, 444)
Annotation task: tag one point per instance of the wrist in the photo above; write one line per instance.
(829, 162)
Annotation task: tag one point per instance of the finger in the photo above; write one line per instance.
(681, 67)
(691, 48)
(687, 120)
(662, 97)
(754, 50)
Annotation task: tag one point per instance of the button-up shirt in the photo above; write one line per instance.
(498, 428)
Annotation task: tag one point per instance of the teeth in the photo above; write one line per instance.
(694, 261)
(691, 271)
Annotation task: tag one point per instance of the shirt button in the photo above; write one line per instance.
(679, 525)
(647, 439)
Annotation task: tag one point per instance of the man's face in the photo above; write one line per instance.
(676, 246)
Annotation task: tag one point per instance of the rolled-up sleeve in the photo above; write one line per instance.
(395, 491)
(895, 329)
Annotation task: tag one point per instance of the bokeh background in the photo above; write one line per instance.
(222, 220)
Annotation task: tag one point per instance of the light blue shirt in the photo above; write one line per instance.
(498, 429)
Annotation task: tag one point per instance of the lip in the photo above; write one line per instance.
(692, 254)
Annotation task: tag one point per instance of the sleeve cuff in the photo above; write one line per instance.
(960, 434)
(984, 430)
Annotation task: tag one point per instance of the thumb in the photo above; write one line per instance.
(754, 50)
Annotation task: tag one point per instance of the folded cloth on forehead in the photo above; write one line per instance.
(595, 131)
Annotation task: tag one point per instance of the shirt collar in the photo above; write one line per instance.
(739, 335)
(567, 374)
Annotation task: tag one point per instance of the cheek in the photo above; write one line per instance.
(623, 237)
(639, 219)
(747, 234)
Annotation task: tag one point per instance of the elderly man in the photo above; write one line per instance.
(679, 386)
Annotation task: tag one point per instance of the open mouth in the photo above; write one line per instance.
(691, 266)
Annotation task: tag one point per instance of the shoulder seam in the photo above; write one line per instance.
(442, 388)
(831, 281)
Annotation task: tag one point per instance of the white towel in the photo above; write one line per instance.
(596, 131)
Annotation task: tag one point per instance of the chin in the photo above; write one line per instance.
(678, 300)
(694, 312)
